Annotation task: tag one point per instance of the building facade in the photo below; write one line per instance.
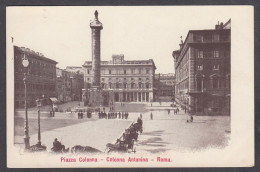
(202, 68)
(75, 69)
(41, 76)
(122, 80)
(164, 87)
(69, 85)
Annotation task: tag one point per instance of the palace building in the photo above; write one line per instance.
(41, 76)
(202, 68)
(123, 80)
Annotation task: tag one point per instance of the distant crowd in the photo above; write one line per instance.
(113, 115)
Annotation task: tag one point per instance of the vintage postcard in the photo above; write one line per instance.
(123, 86)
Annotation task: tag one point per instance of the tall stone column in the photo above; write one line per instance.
(96, 26)
(96, 98)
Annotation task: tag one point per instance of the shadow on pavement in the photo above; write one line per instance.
(157, 150)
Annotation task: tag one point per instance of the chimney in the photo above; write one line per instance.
(221, 25)
(217, 26)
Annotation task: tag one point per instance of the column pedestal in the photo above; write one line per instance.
(96, 98)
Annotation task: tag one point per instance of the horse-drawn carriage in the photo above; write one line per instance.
(126, 142)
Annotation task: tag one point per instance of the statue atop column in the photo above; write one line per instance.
(96, 15)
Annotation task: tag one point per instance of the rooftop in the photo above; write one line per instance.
(35, 54)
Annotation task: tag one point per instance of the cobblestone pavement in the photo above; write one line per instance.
(164, 132)
(93, 133)
(172, 132)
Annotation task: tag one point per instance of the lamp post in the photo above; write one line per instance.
(39, 146)
(39, 104)
(25, 63)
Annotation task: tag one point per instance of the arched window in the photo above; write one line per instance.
(140, 85)
(199, 84)
(117, 85)
(132, 85)
(147, 85)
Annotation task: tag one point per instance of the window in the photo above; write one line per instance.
(140, 85)
(198, 38)
(109, 71)
(199, 84)
(216, 54)
(147, 71)
(140, 71)
(125, 85)
(132, 85)
(215, 83)
(200, 67)
(215, 67)
(140, 79)
(147, 85)
(215, 37)
(110, 85)
(109, 79)
(132, 79)
(147, 79)
(132, 71)
(200, 54)
(117, 85)
(125, 72)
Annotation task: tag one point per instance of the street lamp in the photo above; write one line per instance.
(38, 146)
(39, 104)
(25, 63)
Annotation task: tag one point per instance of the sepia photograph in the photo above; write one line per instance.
(129, 86)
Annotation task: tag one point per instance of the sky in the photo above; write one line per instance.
(140, 33)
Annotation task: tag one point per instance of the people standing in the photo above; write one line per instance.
(151, 116)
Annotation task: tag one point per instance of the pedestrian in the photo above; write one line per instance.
(169, 111)
(141, 116)
(78, 115)
(151, 116)
(119, 115)
(81, 114)
(177, 110)
(151, 104)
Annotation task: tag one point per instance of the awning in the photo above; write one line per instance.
(54, 99)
